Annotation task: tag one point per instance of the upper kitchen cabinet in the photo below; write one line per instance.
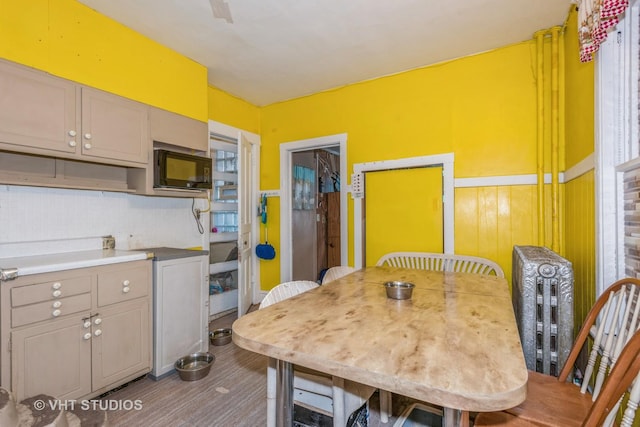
(58, 133)
(45, 115)
(174, 129)
(113, 127)
(36, 110)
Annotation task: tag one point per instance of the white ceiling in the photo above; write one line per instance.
(281, 49)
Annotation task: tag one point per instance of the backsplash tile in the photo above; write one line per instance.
(37, 221)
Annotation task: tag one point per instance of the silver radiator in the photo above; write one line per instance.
(542, 296)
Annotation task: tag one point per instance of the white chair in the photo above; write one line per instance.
(441, 262)
(337, 272)
(320, 392)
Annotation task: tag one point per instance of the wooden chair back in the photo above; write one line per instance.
(560, 399)
(441, 262)
(611, 328)
(610, 324)
(622, 379)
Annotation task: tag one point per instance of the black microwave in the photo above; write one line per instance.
(181, 170)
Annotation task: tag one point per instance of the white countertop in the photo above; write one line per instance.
(37, 264)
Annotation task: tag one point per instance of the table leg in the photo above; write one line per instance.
(455, 418)
(284, 394)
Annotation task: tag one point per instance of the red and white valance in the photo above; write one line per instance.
(595, 18)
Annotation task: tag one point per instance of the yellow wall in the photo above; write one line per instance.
(580, 202)
(579, 84)
(70, 40)
(233, 111)
(481, 108)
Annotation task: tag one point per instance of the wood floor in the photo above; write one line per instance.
(232, 395)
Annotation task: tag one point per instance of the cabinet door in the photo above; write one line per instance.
(175, 129)
(121, 343)
(181, 316)
(36, 110)
(53, 358)
(113, 127)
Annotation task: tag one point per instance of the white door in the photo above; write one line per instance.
(246, 213)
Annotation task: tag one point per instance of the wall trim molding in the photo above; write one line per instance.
(506, 180)
(583, 166)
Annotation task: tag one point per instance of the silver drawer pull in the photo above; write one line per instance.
(57, 285)
(87, 336)
(126, 289)
(97, 321)
(87, 325)
(57, 304)
(56, 293)
(98, 332)
(56, 313)
(126, 283)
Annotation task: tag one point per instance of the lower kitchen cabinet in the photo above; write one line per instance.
(53, 359)
(123, 347)
(73, 346)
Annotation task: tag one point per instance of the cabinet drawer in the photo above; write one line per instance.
(51, 290)
(50, 309)
(123, 285)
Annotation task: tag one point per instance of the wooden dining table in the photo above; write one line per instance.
(455, 343)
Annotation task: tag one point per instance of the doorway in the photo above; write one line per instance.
(289, 207)
(444, 162)
(315, 216)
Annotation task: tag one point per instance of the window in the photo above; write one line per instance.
(617, 150)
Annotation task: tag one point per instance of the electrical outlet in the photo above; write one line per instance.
(108, 242)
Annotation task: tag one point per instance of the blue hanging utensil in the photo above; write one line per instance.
(263, 208)
(264, 250)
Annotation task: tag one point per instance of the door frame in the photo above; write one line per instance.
(286, 151)
(444, 160)
(254, 139)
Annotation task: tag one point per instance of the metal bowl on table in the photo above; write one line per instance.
(220, 336)
(194, 366)
(399, 290)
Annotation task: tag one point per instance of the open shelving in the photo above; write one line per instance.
(223, 238)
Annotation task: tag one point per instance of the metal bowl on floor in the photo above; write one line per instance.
(220, 336)
(194, 366)
(399, 290)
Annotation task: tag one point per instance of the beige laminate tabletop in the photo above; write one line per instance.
(454, 344)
